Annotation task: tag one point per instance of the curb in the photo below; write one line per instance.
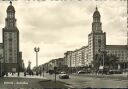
(108, 77)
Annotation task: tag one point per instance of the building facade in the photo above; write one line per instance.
(11, 54)
(1, 52)
(96, 43)
(1, 58)
(85, 55)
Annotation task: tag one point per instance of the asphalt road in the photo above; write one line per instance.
(81, 81)
(75, 81)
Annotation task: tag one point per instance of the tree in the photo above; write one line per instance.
(112, 62)
(102, 59)
(96, 62)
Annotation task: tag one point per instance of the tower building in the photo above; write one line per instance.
(97, 38)
(97, 45)
(11, 41)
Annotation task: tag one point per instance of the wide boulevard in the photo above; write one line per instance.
(83, 81)
(75, 81)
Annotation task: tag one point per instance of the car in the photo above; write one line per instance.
(2, 74)
(81, 72)
(51, 71)
(103, 71)
(62, 72)
(47, 71)
(64, 76)
(125, 70)
(57, 72)
(115, 72)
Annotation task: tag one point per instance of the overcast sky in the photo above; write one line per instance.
(60, 26)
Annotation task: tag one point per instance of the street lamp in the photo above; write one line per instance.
(103, 58)
(43, 71)
(1, 66)
(36, 50)
(55, 72)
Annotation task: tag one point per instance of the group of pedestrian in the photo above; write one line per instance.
(31, 73)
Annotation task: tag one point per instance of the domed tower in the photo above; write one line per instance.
(97, 38)
(11, 41)
(96, 25)
(10, 20)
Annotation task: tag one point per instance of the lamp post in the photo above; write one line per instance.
(43, 71)
(1, 70)
(36, 50)
(1, 67)
(55, 72)
(103, 59)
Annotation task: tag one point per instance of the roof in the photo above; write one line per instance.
(10, 8)
(96, 13)
(83, 47)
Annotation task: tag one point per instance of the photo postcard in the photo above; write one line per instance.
(63, 44)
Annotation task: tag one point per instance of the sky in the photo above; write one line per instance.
(59, 26)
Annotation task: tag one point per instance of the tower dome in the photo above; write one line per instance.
(10, 8)
(96, 13)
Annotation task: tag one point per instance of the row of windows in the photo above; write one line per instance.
(11, 15)
(116, 51)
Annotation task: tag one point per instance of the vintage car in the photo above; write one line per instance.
(63, 76)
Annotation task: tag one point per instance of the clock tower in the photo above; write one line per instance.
(11, 41)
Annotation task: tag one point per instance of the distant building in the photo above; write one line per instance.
(1, 52)
(67, 58)
(51, 64)
(45, 66)
(1, 57)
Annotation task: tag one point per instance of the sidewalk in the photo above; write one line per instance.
(27, 76)
(31, 82)
(111, 76)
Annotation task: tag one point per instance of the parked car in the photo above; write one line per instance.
(57, 72)
(1, 75)
(81, 72)
(63, 72)
(115, 72)
(51, 71)
(47, 71)
(63, 76)
(125, 70)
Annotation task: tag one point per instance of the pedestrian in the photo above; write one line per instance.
(18, 74)
(24, 73)
(6, 73)
(12, 73)
(40, 72)
(36, 73)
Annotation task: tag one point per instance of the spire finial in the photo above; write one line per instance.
(127, 37)
(10, 2)
(96, 8)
